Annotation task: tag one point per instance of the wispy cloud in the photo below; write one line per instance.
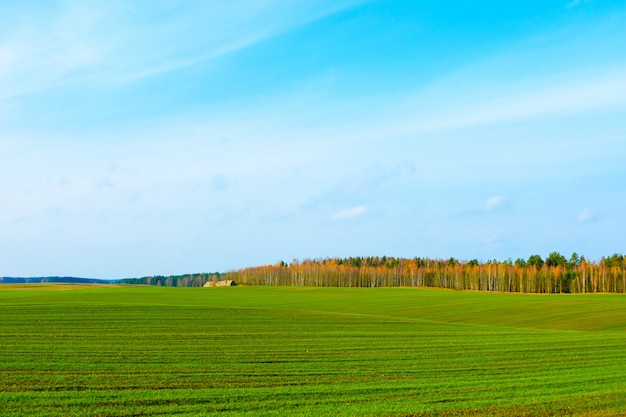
(542, 102)
(357, 186)
(436, 111)
(219, 183)
(349, 213)
(79, 42)
(576, 3)
(482, 93)
(586, 216)
(493, 203)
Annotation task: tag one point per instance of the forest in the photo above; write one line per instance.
(554, 274)
(186, 280)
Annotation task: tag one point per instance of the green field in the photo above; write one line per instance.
(276, 351)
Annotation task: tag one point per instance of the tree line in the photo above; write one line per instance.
(186, 280)
(554, 274)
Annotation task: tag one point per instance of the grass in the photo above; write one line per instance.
(276, 351)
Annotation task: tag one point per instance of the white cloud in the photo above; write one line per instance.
(493, 203)
(586, 216)
(349, 213)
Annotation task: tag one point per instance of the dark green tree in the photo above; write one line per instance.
(472, 262)
(556, 259)
(520, 263)
(574, 260)
(536, 261)
(614, 260)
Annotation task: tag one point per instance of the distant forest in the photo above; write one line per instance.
(186, 280)
(555, 274)
(51, 280)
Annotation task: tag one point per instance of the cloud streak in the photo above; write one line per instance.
(493, 203)
(83, 43)
(586, 216)
(541, 103)
(349, 213)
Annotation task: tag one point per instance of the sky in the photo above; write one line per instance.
(167, 137)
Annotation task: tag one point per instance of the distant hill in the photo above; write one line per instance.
(37, 280)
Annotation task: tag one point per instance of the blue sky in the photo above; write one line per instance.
(167, 137)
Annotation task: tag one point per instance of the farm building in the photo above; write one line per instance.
(225, 283)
